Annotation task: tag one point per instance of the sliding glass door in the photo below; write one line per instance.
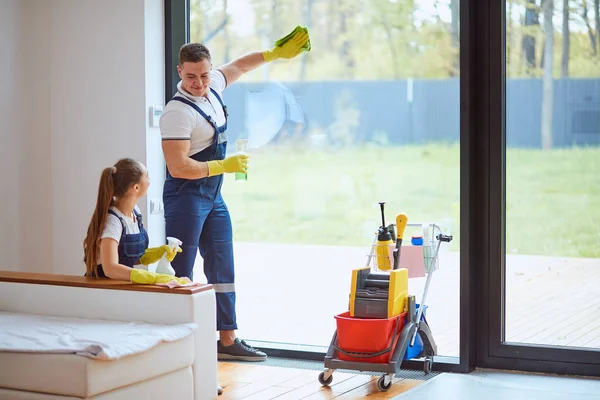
(494, 133)
(544, 312)
(372, 113)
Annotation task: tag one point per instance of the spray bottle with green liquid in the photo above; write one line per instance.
(241, 147)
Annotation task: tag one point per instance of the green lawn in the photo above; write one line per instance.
(330, 197)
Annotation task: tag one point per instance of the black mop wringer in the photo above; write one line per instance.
(381, 294)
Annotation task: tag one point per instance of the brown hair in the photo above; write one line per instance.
(193, 52)
(114, 183)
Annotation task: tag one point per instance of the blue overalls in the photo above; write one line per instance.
(131, 245)
(196, 214)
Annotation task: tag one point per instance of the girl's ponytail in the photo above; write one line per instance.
(91, 244)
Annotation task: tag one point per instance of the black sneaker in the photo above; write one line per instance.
(239, 350)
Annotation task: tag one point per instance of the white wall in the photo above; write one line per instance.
(10, 140)
(155, 96)
(89, 73)
(35, 166)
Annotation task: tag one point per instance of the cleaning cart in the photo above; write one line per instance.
(369, 338)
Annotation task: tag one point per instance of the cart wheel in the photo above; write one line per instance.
(323, 381)
(428, 365)
(381, 385)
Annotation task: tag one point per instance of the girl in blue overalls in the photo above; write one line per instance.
(116, 240)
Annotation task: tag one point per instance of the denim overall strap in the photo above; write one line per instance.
(131, 245)
(199, 110)
(219, 130)
(143, 232)
(222, 104)
(218, 147)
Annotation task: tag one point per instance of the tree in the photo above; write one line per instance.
(591, 33)
(454, 12)
(329, 27)
(548, 81)
(514, 51)
(532, 22)
(566, 39)
(307, 21)
(206, 24)
(345, 20)
(597, 17)
(226, 55)
(389, 34)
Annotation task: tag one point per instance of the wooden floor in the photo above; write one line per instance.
(255, 382)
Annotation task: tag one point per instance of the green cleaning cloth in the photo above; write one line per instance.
(283, 40)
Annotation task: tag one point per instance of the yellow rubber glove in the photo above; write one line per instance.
(153, 254)
(289, 49)
(143, 277)
(237, 163)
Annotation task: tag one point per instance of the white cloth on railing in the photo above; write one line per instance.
(93, 338)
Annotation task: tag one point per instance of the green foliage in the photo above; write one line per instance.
(582, 62)
(383, 39)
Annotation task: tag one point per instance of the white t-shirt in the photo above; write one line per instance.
(113, 227)
(180, 121)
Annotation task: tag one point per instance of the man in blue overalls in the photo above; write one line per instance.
(194, 139)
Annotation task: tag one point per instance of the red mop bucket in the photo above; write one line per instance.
(370, 340)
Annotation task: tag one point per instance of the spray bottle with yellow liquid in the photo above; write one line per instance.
(381, 292)
(384, 239)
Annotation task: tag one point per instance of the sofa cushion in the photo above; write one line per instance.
(177, 385)
(78, 376)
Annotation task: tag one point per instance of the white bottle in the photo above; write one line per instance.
(164, 266)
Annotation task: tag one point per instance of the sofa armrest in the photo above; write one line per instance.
(93, 283)
(81, 297)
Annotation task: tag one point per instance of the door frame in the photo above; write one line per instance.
(493, 352)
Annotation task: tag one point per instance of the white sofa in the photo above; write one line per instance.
(183, 369)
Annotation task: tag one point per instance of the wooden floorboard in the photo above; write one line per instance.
(555, 308)
(257, 382)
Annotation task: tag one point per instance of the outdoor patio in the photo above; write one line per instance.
(290, 293)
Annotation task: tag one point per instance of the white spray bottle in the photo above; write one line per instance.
(164, 266)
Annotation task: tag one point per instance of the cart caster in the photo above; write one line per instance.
(384, 383)
(428, 365)
(325, 381)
